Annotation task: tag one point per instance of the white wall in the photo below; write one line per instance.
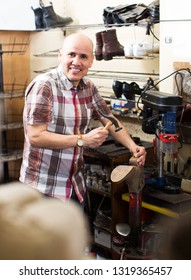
(16, 14)
(176, 25)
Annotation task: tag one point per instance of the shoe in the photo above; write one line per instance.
(38, 18)
(111, 45)
(51, 19)
(99, 46)
(117, 88)
(130, 90)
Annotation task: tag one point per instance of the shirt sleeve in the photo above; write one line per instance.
(39, 103)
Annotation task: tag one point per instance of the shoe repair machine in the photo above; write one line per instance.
(159, 118)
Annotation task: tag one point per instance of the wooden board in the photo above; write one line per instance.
(16, 70)
(180, 65)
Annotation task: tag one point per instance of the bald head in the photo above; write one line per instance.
(78, 39)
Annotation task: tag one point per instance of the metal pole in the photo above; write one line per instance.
(3, 140)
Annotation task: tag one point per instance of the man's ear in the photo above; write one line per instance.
(59, 54)
(92, 60)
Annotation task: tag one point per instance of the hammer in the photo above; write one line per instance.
(112, 121)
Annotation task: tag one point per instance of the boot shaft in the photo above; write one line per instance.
(109, 36)
(51, 19)
(99, 46)
(111, 45)
(38, 18)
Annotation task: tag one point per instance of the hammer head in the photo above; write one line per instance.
(112, 120)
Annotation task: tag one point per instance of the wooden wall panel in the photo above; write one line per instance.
(16, 76)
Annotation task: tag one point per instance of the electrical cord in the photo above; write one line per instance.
(149, 30)
(181, 85)
(182, 69)
(150, 84)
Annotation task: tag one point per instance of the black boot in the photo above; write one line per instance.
(117, 88)
(51, 19)
(130, 90)
(38, 18)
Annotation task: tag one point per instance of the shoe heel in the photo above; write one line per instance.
(107, 57)
(99, 57)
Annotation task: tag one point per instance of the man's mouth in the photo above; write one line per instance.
(75, 70)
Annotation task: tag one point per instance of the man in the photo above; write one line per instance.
(58, 108)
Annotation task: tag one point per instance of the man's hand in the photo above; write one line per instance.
(139, 153)
(95, 137)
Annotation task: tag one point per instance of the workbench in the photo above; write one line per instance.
(111, 154)
(159, 215)
(154, 201)
(171, 205)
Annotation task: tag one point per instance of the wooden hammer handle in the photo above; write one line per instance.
(108, 125)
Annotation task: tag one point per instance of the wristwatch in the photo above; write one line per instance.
(80, 142)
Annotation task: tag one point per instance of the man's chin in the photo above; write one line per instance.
(74, 81)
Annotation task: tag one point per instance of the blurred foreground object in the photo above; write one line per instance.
(178, 244)
(34, 227)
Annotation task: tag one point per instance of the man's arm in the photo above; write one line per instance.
(40, 137)
(123, 137)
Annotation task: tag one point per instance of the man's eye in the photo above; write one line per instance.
(84, 56)
(71, 54)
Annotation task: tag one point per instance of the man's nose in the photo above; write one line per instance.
(77, 59)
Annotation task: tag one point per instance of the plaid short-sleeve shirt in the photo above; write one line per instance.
(51, 99)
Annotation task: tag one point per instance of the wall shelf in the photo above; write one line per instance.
(10, 149)
(13, 125)
(10, 95)
(11, 156)
(101, 74)
(123, 75)
(54, 53)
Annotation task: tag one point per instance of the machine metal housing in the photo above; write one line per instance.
(161, 101)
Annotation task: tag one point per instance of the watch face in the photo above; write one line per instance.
(80, 142)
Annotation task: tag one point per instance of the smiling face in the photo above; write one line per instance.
(76, 57)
